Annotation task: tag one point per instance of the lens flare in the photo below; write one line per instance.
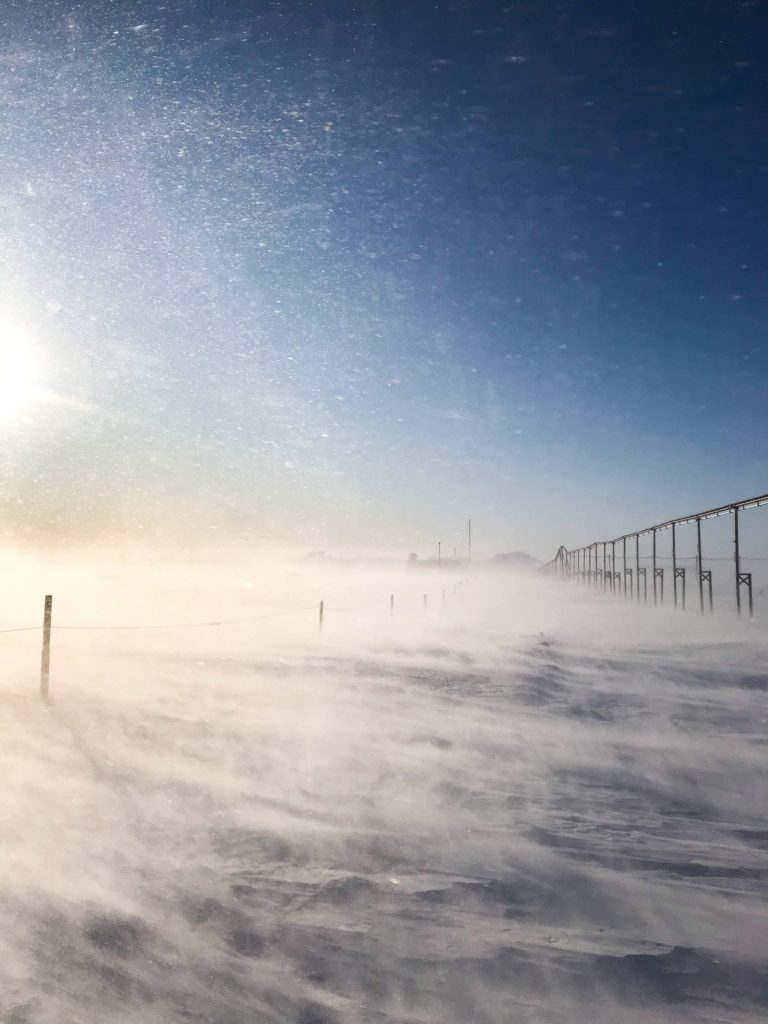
(20, 370)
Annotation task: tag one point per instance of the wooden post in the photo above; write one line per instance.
(391, 605)
(45, 663)
(425, 602)
(320, 618)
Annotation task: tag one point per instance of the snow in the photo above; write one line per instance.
(528, 804)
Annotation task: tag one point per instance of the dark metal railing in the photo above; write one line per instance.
(586, 565)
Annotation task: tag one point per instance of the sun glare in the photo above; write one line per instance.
(20, 370)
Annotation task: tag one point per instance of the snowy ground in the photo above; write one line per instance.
(526, 804)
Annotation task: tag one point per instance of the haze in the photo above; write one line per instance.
(290, 292)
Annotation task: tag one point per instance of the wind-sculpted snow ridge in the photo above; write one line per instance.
(514, 809)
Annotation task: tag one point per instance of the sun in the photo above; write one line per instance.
(20, 370)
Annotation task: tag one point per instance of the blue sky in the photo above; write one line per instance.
(348, 274)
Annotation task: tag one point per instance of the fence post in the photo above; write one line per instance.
(700, 567)
(45, 662)
(655, 574)
(658, 574)
(320, 617)
(680, 574)
(674, 566)
(391, 605)
(737, 556)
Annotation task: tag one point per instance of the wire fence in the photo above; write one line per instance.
(48, 627)
(161, 626)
